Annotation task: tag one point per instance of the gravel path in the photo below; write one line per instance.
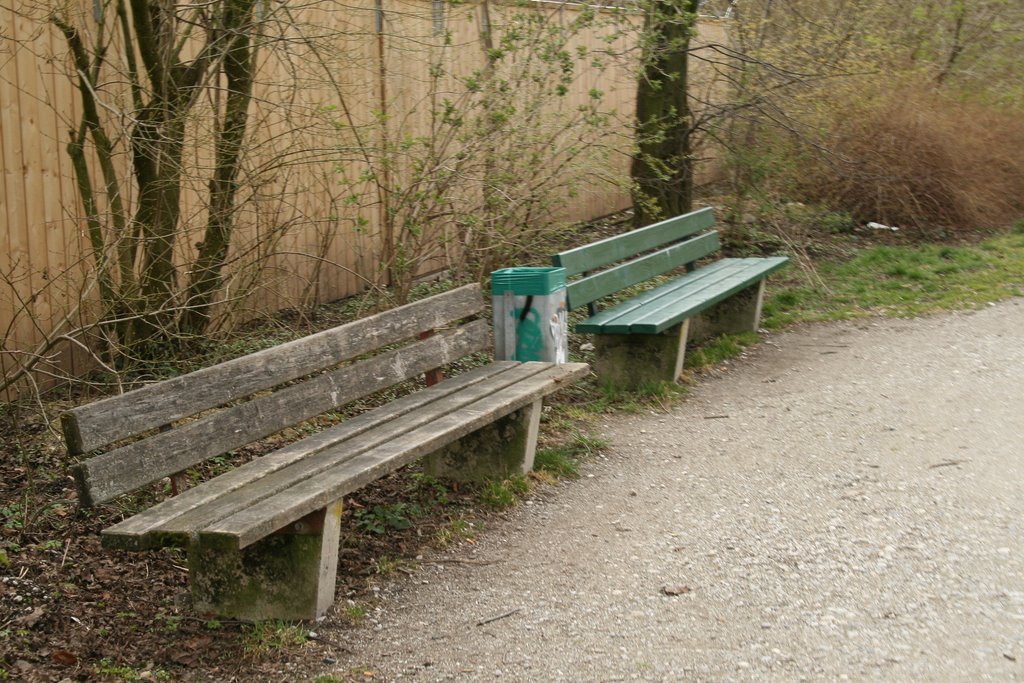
(844, 503)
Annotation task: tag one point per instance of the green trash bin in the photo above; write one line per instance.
(530, 315)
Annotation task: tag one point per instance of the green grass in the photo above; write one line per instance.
(106, 669)
(269, 636)
(458, 529)
(721, 348)
(380, 518)
(355, 613)
(606, 399)
(503, 494)
(562, 461)
(902, 282)
(385, 565)
(558, 461)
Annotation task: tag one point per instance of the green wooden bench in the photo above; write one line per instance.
(641, 341)
(262, 539)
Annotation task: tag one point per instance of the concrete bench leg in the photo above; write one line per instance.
(499, 450)
(635, 361)
(739, 313)
(289, 575)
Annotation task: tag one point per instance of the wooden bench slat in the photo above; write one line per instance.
(124, 469)
(659, 309)
(601, 253)
(133, 533)
(254, 523)
(103, 422)
(594, 287)
(304, 470)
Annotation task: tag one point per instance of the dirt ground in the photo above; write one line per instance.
(842, 502)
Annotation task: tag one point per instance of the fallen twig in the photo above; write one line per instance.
(455, 560)
(327, 641)
(947, 463)
(833, 346)
(64, 558)
(483, 622)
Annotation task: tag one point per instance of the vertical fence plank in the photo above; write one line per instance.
(18, 330)
(31, 102)
(6, 190)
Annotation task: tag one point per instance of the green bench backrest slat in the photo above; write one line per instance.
(593, 256)
(619, 277)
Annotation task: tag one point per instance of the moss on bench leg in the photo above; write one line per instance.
(636, 361)
(739, 313)
(499, 450)
(288, 575)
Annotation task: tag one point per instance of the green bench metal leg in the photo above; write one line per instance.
(497, 451)
(289, 575)
(635, 361)
(739, 313)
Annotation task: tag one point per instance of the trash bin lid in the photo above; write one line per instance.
(528, 281)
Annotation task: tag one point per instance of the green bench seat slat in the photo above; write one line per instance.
(619, 277)
(753, 271)
(601, 253)
(658, 309)
(689, 283)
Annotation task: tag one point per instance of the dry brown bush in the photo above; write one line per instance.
(922, 160)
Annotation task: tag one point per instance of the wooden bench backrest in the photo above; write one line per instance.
(262, 393)
(591, 257)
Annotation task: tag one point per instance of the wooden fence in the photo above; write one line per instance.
(301, 237)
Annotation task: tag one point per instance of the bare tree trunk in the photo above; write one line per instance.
(239, 69)
(663, 166)
(956, 47)
(157, 142)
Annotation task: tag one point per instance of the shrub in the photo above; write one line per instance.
(922, 160)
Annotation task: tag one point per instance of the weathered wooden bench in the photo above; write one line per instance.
(262, 539)
(641, 341)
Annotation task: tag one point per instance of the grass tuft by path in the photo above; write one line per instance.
(901, 281)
